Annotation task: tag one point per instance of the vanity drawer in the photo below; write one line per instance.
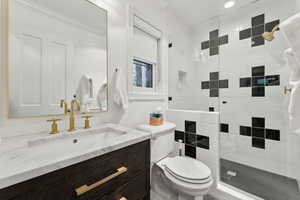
(61, 184)
(136, 189)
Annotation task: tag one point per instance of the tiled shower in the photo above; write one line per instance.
(243, 77)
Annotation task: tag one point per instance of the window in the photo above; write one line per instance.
(144, 60)
(142, 74)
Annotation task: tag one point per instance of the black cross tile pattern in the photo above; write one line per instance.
(258, 81)
(259, 133)
(257, 29)
(214, 84)
(224, 128)
(190, 138)
(214, 42)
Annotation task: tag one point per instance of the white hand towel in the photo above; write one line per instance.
(84, 92)
(102, 96)
(291, 30)
(120, 97)
(293, 65)
(294, 106)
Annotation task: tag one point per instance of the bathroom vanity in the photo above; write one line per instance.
(115, 166)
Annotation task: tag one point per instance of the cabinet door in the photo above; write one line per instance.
(136, 189)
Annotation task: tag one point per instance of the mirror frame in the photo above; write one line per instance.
(6, 65)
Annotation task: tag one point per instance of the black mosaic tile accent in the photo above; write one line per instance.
(170, 45)
(205, 45)
(214, 34)
(258, 122)
(214, 76)
(214, 42)
(245, 34)
(214, 51)
(223, 83)
(258, 91)
(205, 85)
(258, 30)
(258, 20)
(190, 151)
(170, 98)
(245, 131)
(258, 143)
(273, 134)
(214, 84)
(179, 135)
(190, 126)
(223, 40)
(258, 81)
(245, 82)
(273, 80)
(214, 93)
(258, 71)
(203, 142)
(224, 128)
(211, 109)
(257, 41)
(269, 26)
(190, 139)
(258, 27)
(259, 133)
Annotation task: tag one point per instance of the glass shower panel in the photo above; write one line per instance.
(194, 69)
(258, 153)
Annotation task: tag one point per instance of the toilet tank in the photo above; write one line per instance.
(162, 140)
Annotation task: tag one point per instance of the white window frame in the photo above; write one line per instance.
(136, 20)
(144, 90)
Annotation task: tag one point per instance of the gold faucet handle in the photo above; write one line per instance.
(87, 123)
(64, 105)
(54, 127)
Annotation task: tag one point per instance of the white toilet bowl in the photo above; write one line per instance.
(172, 178)
(189, 177)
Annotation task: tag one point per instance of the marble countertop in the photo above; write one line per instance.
(20, 161)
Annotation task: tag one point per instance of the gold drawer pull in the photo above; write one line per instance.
(83, 189)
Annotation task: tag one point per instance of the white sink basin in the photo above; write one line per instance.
(101, 133)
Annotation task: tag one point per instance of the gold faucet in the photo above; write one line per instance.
(72, 114)
(64, 105)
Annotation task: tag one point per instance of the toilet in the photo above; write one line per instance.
(174, 177)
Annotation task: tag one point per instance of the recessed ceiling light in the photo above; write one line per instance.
(229, 4)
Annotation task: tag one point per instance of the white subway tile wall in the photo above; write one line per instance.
(257, 74)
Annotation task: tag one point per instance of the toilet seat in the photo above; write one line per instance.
(192, 181)
(187, 175)
(187, 169)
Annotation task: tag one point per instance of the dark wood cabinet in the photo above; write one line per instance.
(134, 184)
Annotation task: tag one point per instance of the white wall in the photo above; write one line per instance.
(183, 89)
(138, 111)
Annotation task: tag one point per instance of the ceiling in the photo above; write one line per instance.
(193, 12)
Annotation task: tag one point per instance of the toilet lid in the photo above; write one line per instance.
(188, 168)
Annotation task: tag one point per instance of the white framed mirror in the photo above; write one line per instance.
(57, 51)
